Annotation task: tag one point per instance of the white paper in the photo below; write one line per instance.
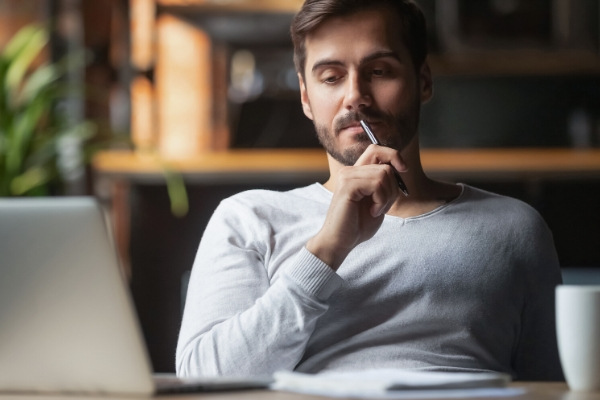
(395, 383)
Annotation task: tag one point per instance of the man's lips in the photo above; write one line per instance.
(352, 129)
(356, 126)
(352, 125)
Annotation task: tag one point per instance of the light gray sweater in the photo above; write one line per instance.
(468, 286)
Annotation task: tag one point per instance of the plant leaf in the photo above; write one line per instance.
(37, 82)
(177, 193)
(19, 41)
(21, 60)
(24, 128)
(29, 180)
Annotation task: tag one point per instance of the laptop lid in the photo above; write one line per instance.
(67, 321)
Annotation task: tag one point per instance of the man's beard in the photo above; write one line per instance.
(405, 125)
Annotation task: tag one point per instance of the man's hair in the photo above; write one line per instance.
(412, 24)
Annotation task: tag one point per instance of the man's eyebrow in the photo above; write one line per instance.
(380, 54)
(326, 63)
(371, 57)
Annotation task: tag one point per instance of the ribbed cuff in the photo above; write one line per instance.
(313, 275)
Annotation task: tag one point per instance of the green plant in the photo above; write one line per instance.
(35, 133)
(32, 127)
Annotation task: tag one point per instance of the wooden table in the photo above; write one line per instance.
(533, 391)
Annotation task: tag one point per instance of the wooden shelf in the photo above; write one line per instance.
(232, 166)
(271, 165)
(285, 6)
(516, 163)
(529, 62)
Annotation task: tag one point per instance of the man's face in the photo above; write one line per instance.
(358, 68)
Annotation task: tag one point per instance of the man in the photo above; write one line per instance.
(352, 274)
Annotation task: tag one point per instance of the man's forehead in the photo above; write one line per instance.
(371, 33)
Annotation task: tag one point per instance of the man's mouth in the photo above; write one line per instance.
(350, 123)
(352, 128)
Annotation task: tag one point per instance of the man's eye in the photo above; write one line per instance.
(330, 79)
(378, 72)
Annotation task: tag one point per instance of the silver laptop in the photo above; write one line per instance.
(67, 321)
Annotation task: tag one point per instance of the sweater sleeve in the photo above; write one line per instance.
(537, 353)
(239, 320)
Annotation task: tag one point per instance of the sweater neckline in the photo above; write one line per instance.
(463, 190)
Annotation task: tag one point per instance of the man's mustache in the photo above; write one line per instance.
(352, 117)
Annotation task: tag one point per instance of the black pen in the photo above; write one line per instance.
(374, 140)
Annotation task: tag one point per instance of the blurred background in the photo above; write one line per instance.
(135, 92)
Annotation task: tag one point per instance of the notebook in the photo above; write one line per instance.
(67, 321)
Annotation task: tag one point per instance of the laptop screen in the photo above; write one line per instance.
(67, 320)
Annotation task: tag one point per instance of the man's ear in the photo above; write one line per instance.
(426, 82)
(304, 98)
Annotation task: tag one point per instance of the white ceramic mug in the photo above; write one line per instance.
(578, 334)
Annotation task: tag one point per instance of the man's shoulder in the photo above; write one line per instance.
(499, 205)
(271, 210)
(474, 194)
(274, 197)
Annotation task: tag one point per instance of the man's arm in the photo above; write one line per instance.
(238, 322)
(537, 354)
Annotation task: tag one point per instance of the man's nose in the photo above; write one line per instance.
(358, 93)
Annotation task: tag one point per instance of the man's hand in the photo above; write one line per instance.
(363, 194)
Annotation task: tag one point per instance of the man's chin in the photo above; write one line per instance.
(350, 151)
(349, 156)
